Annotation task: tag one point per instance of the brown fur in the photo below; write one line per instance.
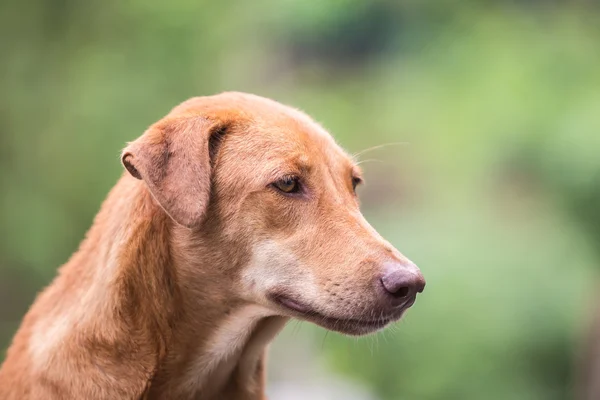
(177, 289)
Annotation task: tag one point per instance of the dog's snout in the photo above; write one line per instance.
(402, 282)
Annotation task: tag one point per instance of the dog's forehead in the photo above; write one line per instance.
(275, 128)
(294, 136)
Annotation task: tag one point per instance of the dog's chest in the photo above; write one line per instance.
(229, 349)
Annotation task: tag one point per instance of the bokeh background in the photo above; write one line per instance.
(490, 180)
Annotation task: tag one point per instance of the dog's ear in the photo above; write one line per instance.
(173, 158)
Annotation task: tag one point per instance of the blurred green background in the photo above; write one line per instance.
(494, 190)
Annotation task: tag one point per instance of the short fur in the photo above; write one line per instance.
(195, 262)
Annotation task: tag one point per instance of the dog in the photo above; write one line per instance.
(235, 214)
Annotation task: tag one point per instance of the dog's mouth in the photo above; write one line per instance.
(348, 326)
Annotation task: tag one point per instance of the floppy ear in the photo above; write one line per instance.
(173, 158)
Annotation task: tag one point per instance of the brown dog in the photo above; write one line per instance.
(237, 213)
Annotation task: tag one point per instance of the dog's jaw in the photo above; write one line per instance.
(348, 326)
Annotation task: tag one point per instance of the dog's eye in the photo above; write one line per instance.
(288, 184)
(355, 182)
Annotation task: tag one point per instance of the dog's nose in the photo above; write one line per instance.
(402, 282)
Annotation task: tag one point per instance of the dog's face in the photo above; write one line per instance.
(282, 192)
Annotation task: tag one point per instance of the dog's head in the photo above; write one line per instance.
(276, 194)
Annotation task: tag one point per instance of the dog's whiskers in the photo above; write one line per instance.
(368, 160)
(324, 337)
(380, 146)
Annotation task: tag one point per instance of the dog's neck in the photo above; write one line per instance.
(142, 305)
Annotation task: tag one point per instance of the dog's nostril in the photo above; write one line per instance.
(394, 287)
(401, 283)
(402, 292)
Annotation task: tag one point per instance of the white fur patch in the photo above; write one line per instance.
(273, 265)
(47, 335)
(224, 348)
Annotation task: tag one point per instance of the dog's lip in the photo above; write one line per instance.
(292, 304)
(352, 326)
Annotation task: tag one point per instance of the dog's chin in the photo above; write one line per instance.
(355, 326)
